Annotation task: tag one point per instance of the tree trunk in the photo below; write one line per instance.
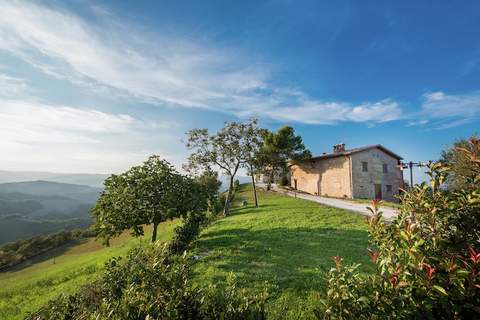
(154, 232)
(226, 209)
(270, 180)
(254, 190)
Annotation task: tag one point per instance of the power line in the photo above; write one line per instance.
(410, 165)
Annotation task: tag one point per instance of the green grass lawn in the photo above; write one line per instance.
(26, 289)
(286, 242)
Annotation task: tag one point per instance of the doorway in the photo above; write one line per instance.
(378, 191)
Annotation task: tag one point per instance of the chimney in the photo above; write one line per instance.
(339, 148)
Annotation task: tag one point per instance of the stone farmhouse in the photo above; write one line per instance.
(370, 172)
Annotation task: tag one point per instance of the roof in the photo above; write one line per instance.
(356, 150)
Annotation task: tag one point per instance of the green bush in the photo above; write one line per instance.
(153, 284)
(186, 233)
(427, 260)
(283, 181)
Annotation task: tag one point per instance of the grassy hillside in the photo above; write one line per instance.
(28, 287)
(286, 242)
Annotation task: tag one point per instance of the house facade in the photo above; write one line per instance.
(371, 172)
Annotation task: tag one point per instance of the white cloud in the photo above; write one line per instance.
(309, 111)
(45, 119)
(11, 86)
(41, 136)
(163, 70)
(451, 110)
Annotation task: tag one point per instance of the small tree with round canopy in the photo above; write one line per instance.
(145, 195)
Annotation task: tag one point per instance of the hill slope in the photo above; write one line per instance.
(287, 242)
(29, 286)
(40, 207)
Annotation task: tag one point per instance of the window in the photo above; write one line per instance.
(385, 168)
(389, 188)
(364, 166)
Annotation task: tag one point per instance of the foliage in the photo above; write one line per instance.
(211, 186)
(279, 150)
(16, 252)
(146, 194)
(462, 171)
(426, 260)
(186, 233)
(229, 149)
(155, 283)
(283, 181)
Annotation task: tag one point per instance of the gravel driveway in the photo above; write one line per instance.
(388, 213)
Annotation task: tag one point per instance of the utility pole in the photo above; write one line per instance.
(410, 165)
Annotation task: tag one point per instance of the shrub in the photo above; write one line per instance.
(186, 233)
(219, 204)
(283, 181)
(153, 284)
(426, 260)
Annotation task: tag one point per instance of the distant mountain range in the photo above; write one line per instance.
(38, 207)
(93, 180)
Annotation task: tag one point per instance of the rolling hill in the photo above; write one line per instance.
(40, 207)
(88, 179)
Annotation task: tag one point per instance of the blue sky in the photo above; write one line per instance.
(88, 87)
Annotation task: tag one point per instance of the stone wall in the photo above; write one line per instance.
(327, 177)
(364, 182)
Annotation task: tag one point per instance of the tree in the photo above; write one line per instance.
(253, 135)
(279, 150)
(462, 171)
(211, 186)
(146, 194)
(227, 149)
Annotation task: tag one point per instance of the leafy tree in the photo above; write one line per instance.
(462, 172)
(229, 149)
(211, 186)
(253, 141)
(279, 150)
(427, 260)
(147, 194)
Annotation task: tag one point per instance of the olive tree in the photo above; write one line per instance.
(145, 195)
(229, 149)
(253, 136)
